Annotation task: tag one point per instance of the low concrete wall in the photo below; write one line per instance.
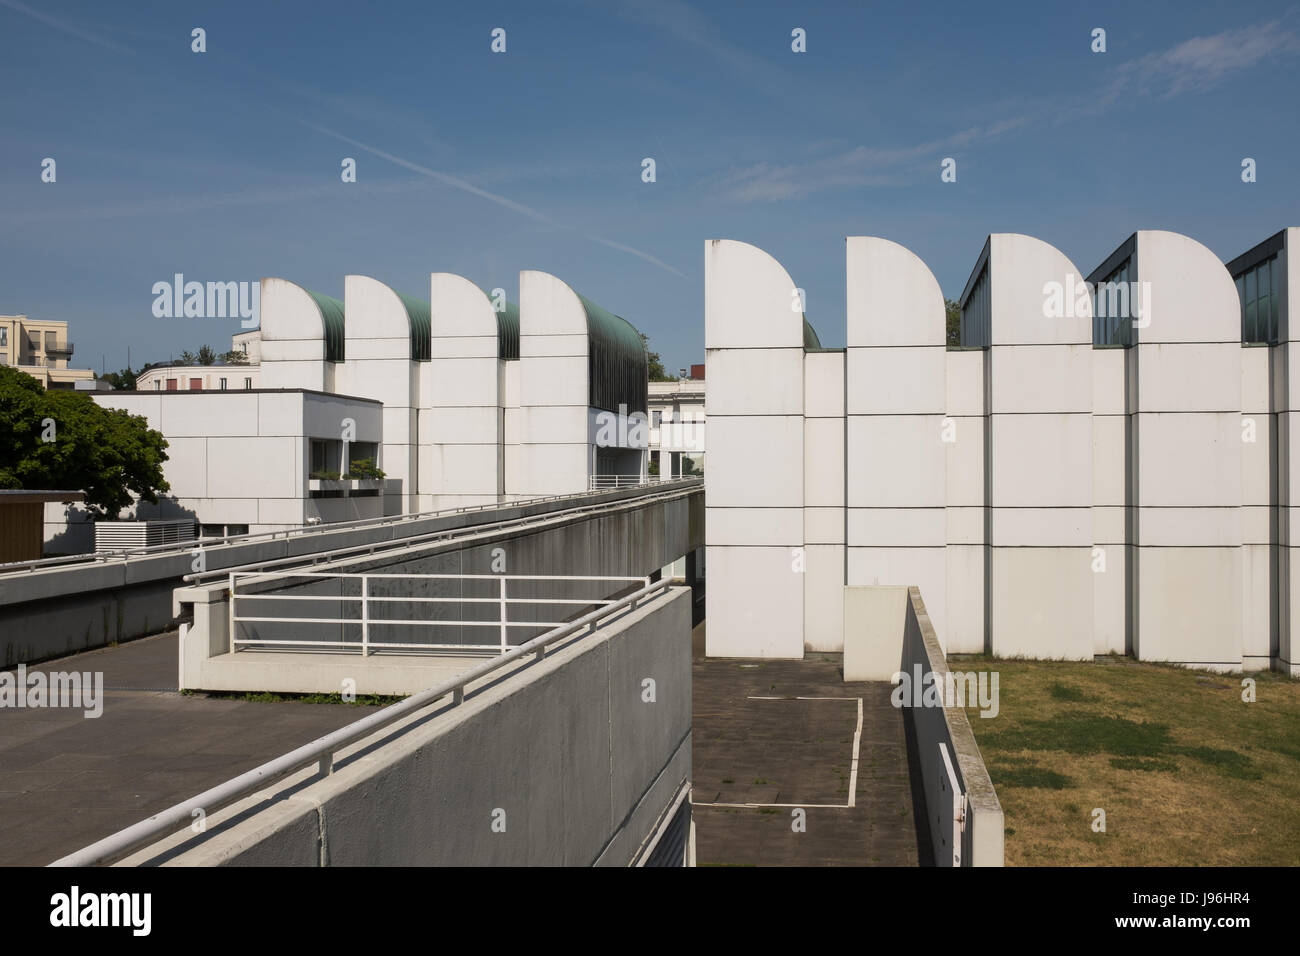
(563, 762)
(52, 612)
(887, 633)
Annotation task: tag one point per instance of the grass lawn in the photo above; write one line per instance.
(1187, 773)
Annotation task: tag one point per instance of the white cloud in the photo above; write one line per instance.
(67, 27)
(1201, 63)
(861, 166)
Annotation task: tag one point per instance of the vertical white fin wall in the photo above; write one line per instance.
(895, 407)
(1187, 468)
(377, 364)
(1040, 476)
(754, 355)
(462, 440)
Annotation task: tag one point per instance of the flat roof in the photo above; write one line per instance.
(1257, 254)
(238, 391)
(27, 496)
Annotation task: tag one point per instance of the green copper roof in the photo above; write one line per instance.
(507, 329)
(616, 361)
(331, 313)
(811, 342)
(417, 311)
(508, 333)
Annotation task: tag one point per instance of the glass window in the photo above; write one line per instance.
(1261, 305)
(1274, 323)
(4, 337)
(248, 383)
(1113, 308)
(196, 385)
(223, 384)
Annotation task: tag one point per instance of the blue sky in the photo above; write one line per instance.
(224, 165)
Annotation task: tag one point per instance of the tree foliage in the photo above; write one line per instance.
(123, 380)
(954, 321)
(61, 440)
(654, 364)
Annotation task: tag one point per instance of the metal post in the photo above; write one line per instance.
(232, 612)
(503, 614)
(365, 616)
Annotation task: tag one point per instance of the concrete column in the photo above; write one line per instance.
(1110, 500)
(895, 403)
(964, 565)
(753, 338)
(1259, 621)
(823, 625)
(1287, 400)
(1039, 494)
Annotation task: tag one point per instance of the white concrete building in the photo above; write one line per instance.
(461, 399)
(1101, 467)
(209, 378)
(677, 427)
(241, 462)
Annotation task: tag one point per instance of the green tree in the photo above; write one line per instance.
(63, 440)
(954, 321)
(234, 358)
(187, 358)
(206, 355)
(654, 364)
(122, 380)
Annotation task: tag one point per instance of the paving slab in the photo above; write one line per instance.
(67, 780)
(771, 738)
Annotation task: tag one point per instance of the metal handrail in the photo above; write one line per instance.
(124, 555)
(365, 599)
(610, 482)
(445, 534)
(323, 749)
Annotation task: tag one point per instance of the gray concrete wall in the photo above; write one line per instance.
(983, 838)
(887, 632)
(634, 539)
(582, 765)
(57, 611)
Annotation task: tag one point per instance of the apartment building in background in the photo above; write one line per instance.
(676, 412)
(40, 347)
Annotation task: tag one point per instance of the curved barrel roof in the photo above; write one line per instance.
(616, 361)
(331, 313)
(417, 313)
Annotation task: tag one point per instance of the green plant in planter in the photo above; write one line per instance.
(364, 469)
(323, 475)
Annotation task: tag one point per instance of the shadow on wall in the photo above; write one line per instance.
(70, 528)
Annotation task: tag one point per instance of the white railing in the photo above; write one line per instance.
(607, 482)
(322, 750)
(367, 599)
